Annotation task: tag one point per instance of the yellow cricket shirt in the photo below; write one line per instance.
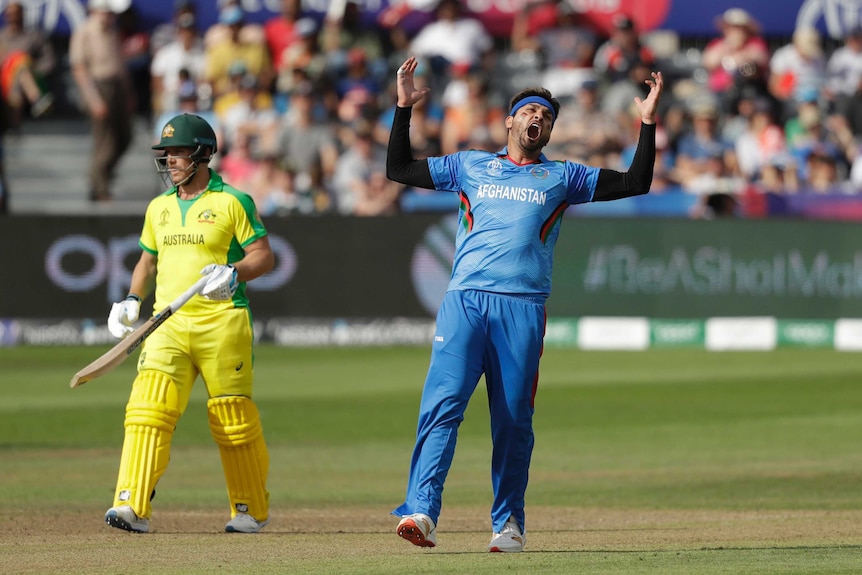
(186, 235)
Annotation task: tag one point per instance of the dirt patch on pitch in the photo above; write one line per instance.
(186, 542)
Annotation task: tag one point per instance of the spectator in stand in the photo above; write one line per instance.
(536, 15)
(4, 185)
(239, 165)
(856, 171)
(796, 69)
(474, 122)
(225, 50)
(251, 118)
(452, 38)
(187, 53)
(850, 111)
(778, 176)
(823, 175)
(586, 130)
(716, 187)
(739, 57)
(622, 51)
(811, 129)
(281, 32)
(555, 31)
(28, 61)
(345, 31)
(357, 90)
(567, 50)
(380, 198)
(310, 146)
(249, 33)
(735, 121)
(844, 69)
(761, 143)
(100, 73)
(273, 187)
(618, 97)
(397, 10)
(352, 176)
(166, 32)
(135, 44)
(303, 60)
(699, 148)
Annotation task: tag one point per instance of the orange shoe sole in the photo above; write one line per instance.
(411, 532)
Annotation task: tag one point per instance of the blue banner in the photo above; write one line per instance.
(776, 17)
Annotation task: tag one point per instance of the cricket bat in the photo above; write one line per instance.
(118, 354)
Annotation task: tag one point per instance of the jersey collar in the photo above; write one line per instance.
(505, 152)
(216, 183)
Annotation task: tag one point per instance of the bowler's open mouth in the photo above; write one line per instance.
(534, 131)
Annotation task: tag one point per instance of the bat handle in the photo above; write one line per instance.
(188, 294)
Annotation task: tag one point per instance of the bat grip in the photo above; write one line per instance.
(188, 294)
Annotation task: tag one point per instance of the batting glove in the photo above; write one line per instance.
(123, 316)
(221, 282)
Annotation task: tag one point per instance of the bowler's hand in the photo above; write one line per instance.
(648, 107)
(407, 92)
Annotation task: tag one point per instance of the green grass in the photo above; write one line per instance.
(668, 461)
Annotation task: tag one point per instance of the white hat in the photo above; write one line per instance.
(115, 6)
(737, 17)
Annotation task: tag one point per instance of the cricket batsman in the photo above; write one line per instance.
(200, 226)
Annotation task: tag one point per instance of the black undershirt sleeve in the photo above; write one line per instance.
(401, 166)
(613, 185)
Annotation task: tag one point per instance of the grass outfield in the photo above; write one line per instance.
(673, 462)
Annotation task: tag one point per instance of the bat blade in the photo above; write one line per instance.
(118, 354)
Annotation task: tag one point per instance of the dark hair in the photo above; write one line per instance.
(541, 92)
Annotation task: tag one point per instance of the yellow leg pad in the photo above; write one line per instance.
(151, 417)
(235, 426)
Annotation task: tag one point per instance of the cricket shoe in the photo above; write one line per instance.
(244, 523)
(509, 540)
(124, 517)
(418, 529)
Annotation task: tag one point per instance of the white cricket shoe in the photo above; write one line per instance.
(244, 523)
(124, 517)
(418, 529)
(509, 540)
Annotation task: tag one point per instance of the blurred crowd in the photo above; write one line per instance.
(303, 105)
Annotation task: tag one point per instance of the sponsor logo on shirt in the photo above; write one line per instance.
(515, 193)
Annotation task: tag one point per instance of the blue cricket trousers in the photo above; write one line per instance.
(501, 336)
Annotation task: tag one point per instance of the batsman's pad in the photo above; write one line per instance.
(235, 426)
(151, 417)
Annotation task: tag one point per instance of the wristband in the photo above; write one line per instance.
(132, 296)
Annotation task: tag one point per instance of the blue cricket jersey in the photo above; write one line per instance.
(510, 217)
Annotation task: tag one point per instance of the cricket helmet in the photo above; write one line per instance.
(187, 131)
